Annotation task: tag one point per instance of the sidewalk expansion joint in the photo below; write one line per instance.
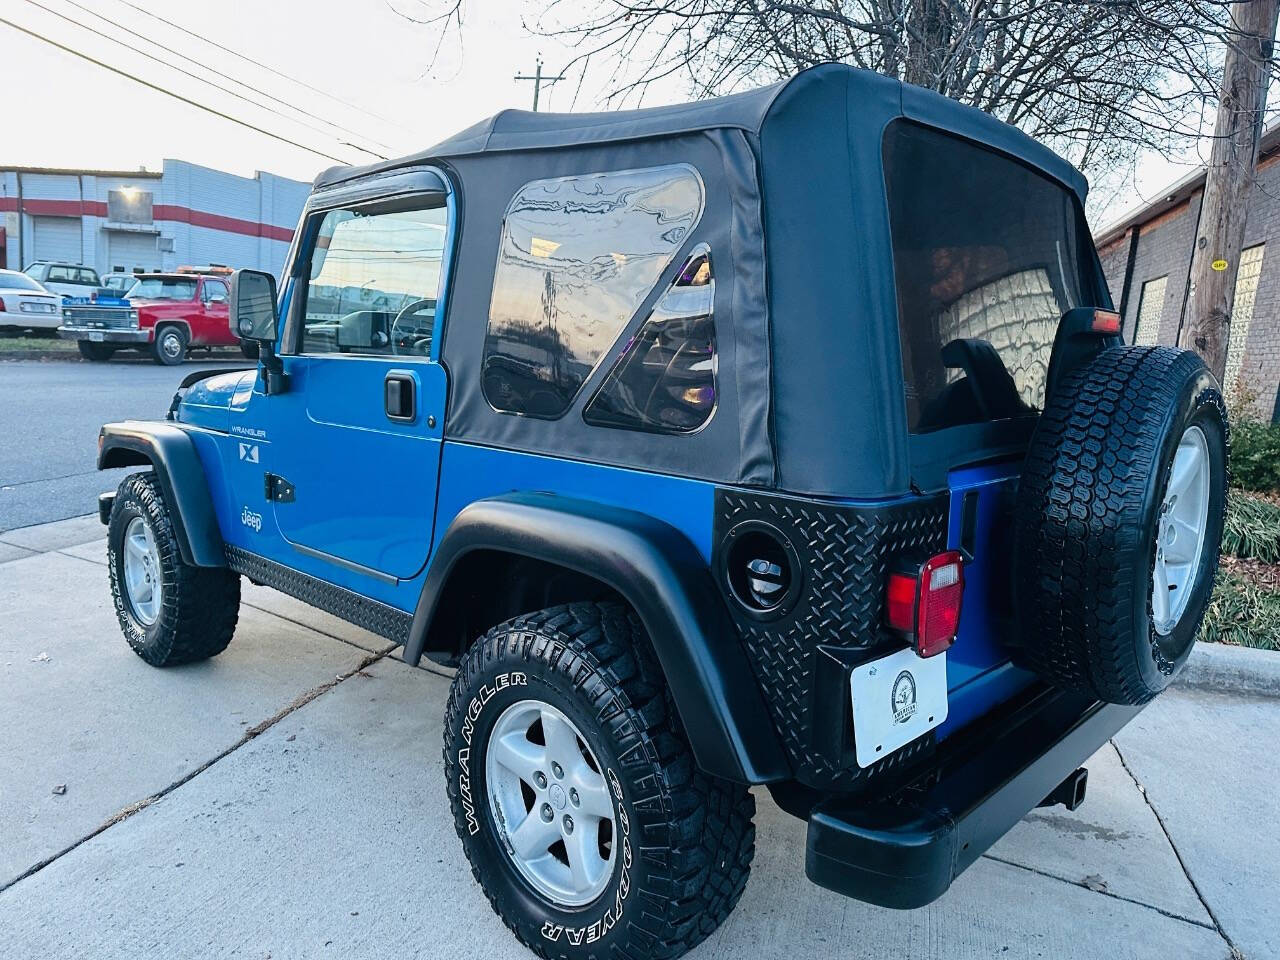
(1217, 924)
(1106, 893)
(250, 734)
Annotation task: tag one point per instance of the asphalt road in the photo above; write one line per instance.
(49, 417)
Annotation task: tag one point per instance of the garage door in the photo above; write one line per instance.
(132, 251)
(57, 238)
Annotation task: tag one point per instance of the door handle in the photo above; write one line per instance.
(399, 396)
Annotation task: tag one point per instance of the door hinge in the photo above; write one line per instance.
(277, 488)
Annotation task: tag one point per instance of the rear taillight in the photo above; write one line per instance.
(1105, 321)
(924, 604)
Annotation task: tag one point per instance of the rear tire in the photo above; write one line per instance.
(170, 612)
(95, 352)
(170, 347)
(1115, 549)
(680, 842)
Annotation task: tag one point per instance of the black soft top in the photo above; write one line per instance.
(810, 394)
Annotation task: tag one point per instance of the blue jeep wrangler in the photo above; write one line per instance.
(782, 439)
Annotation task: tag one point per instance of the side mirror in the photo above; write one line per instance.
(252, 313)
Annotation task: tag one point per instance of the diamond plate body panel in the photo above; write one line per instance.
(801, 658)
(346, 604)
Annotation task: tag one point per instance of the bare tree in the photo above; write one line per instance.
(1098, 81)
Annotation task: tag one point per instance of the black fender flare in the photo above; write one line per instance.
(169, 451)
(662, 575)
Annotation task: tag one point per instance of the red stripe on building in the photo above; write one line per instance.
(161, 211)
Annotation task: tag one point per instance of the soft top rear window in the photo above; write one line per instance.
(988, 254)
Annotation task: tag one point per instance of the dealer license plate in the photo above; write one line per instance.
(95, 337)
(896, 699)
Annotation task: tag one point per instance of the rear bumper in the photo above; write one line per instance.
(905, 854)
(100, 335)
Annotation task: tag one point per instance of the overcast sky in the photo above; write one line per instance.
(64, 112)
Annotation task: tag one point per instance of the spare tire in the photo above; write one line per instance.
(1119, 522)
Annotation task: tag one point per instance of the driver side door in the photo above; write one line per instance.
(356, 438)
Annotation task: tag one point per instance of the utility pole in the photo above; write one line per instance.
(539, 81)
(1224, 208)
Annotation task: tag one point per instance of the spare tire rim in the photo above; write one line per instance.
(550, 803)
(1180, 533)
(142, 571)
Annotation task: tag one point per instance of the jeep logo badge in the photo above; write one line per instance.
(903, 697)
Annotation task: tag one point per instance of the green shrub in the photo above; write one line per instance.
(1255, 455)
(1252, 529)
(1242, 613)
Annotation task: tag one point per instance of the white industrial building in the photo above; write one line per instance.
(120, 221)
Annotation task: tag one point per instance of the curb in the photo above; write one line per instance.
(1229, 669)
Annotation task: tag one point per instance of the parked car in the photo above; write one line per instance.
(166, 314)
(786, 439)
(25, 305)
(117, 284)
(64, 279)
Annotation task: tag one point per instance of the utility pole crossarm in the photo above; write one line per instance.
(539, 81)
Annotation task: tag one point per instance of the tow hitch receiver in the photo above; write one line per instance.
(1070, 792)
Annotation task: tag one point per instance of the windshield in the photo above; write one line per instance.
(163, 288)
(12, 280)
(988, 254)
(118, 283)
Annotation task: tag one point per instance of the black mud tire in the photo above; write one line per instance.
(170, 346)
(95, 352)
(249, 349)
(687, 839)
(1088, 506)
(199, 605)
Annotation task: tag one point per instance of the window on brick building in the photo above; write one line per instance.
(1150, 307)
(1247, 276)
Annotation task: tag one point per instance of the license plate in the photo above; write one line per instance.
(95, 337)
(896, 699)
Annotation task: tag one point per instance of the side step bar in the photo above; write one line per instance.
(906, 854)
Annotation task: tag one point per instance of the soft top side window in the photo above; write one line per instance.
(664, 382)
(577, 257)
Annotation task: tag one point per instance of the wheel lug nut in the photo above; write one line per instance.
(558, 771)
(540, 779)
(568, 824)
(573, 796)
(547, 813)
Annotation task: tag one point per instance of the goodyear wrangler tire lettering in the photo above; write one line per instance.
(591, 667)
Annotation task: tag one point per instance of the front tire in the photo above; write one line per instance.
(170, 347)
(169, 612)
(566, 711)
(95, 352)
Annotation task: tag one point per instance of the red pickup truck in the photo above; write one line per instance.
(164, 314)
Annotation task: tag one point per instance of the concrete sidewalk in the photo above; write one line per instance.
(285, 800)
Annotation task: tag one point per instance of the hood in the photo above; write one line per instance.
(207, 403)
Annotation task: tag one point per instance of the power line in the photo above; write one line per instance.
(248, 86)
(169, 93)
(198, 78)
(258, 63)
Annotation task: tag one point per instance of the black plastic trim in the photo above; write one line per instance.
(372, 615)
(662, 575)
(171, 454)
(904, 852)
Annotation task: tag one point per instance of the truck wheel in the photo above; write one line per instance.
(170, 347)
(95, 352)
(576, 796)
(1119, 522)
(170, 612)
